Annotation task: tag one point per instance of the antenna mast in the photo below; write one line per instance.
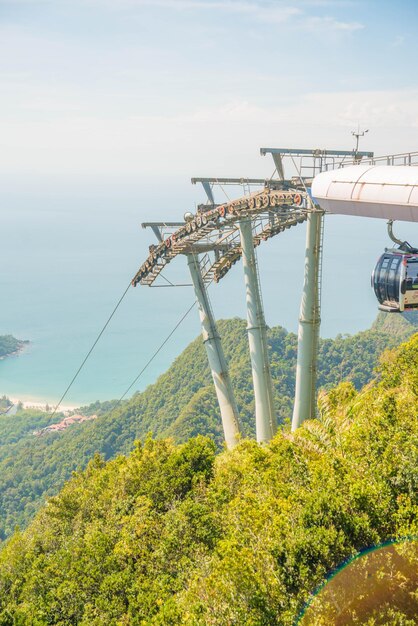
(357, 135)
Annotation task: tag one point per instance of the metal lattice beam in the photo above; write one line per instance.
(272, 211)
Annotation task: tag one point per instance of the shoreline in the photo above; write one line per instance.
(43, 405)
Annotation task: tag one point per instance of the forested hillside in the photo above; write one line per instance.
(180, 404)
(173, 534)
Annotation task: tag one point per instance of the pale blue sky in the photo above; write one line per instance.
(112, 91)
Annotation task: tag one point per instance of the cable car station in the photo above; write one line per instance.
(217, 236)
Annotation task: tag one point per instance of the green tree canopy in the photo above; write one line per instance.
(173, 534)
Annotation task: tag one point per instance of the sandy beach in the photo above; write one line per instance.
(42, 405)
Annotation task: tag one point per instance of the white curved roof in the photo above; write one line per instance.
(385, 191)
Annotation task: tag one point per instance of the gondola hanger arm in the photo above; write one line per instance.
(391, 235)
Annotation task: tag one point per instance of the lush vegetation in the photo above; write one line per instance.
(10, 345)
(173, 534)
(5, 404)
(181, 404)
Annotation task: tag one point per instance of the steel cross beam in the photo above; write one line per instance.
(209, 182)
(230, 181)
(195, 248)
(157, 227)
(316, 152)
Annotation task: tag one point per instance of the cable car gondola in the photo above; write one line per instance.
(395, 277)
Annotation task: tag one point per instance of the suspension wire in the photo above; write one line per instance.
(8, 409)
(166, 280)
(150, 360)
(161, 346)
(226, 195)
(90, 351)
(96, 341)
(147, 364)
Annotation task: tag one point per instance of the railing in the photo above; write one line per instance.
(404, 158)
(309, 169)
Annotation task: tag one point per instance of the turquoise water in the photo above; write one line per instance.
(66, 259)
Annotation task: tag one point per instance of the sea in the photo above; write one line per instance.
(66, 257)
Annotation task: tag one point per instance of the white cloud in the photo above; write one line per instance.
(277, 15)
(266, 11)
(377, 109)
(225, 138)
(298, 13)
(329, 3)
(328, 23)
(238, 111)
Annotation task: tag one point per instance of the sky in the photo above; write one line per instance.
(109, 107)
(115, 94)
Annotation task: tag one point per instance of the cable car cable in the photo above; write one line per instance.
(8, 409)
(150, 360)
(160, 347)
(91, 350)
(97, 340)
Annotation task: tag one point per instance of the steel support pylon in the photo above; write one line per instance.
(309, 324)
(217, 362)
(265, 417)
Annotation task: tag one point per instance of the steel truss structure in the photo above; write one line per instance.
(217, 230)
(218, 235)
(223, 234)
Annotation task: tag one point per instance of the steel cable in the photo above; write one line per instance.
(90, 351)
(150, 360)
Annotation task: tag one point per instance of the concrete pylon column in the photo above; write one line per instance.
(265, 417)
(309, 324)
(216, 358)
